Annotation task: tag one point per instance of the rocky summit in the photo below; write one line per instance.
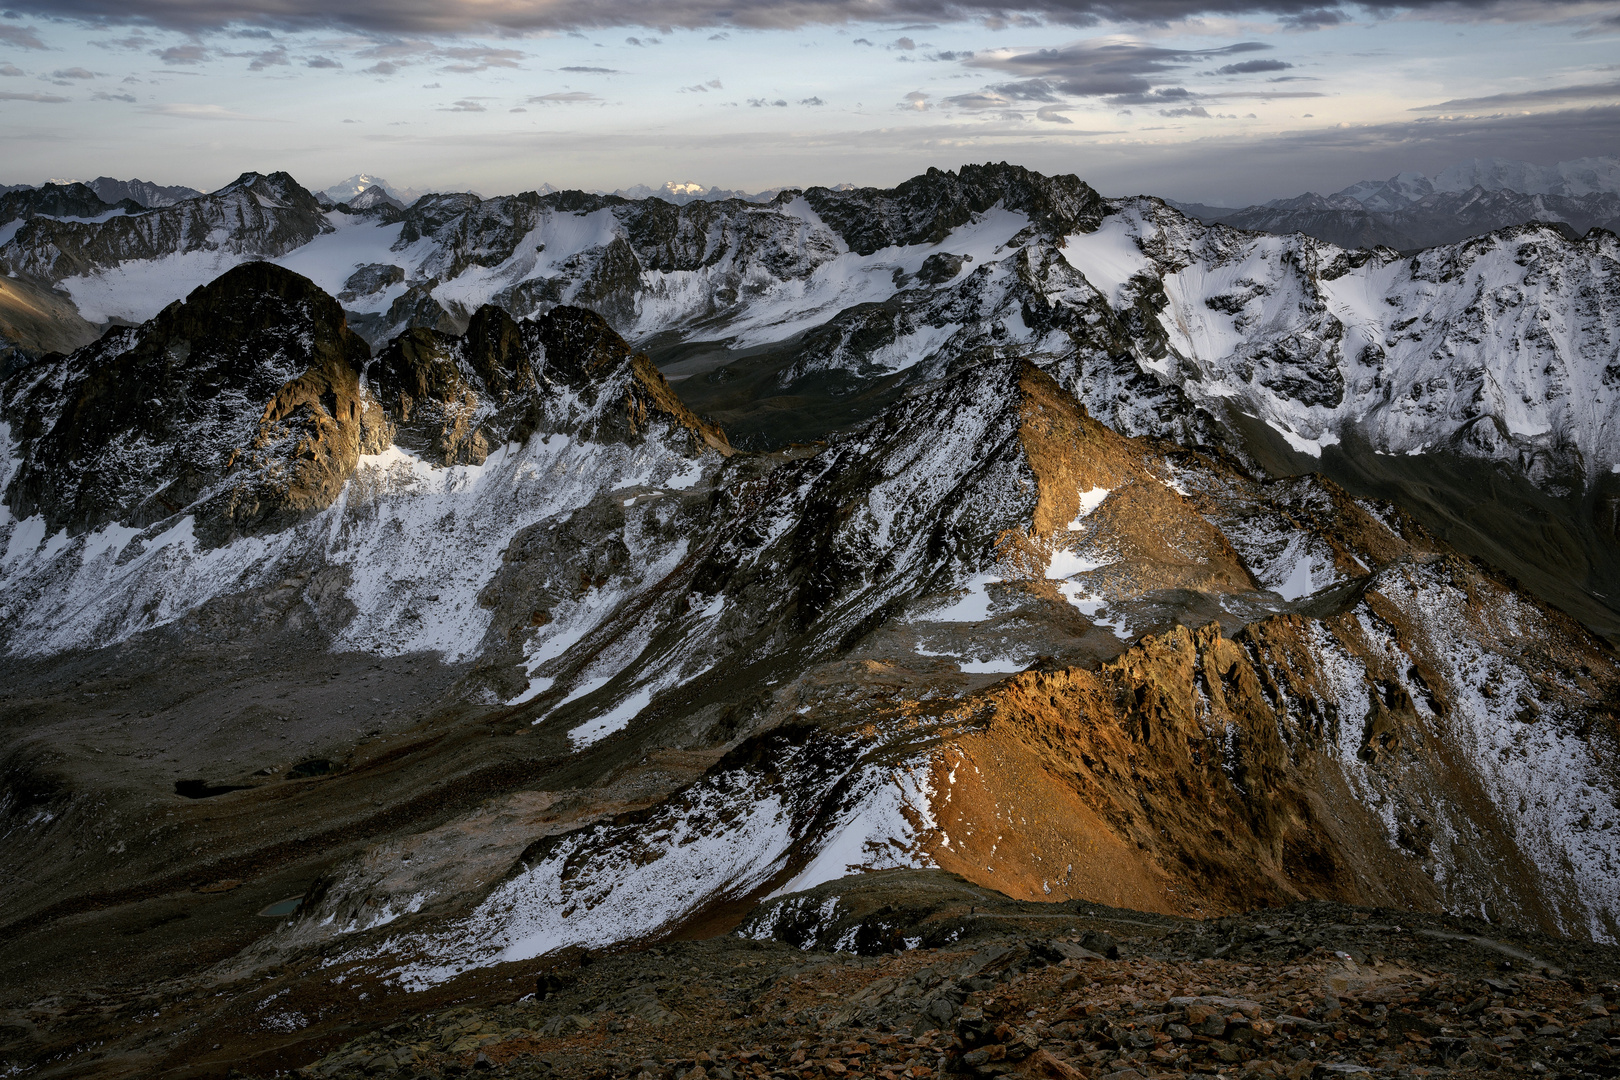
(978, 627)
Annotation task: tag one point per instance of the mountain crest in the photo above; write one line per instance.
(244, 397)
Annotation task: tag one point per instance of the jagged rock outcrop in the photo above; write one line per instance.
(254, 216)
(927, 208)
(56, 200)
(243, 403)
(142, 192)
(456, 397)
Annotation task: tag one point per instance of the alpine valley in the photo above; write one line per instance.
(464, 584)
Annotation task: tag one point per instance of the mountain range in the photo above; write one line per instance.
(1409, 211)
(463, 582)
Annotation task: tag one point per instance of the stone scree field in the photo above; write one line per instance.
(1049, 991)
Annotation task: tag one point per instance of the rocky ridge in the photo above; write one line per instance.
(254, 216)
(1071, 991)
(1293, 665)
(241, 404)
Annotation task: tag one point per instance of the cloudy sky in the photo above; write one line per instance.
(1222, 101)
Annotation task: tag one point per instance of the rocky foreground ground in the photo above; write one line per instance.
(992, 987)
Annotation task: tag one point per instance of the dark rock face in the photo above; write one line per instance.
(454, 398)
(244, 403)
(370, 278)
(246, 396)
(54, 200)
(926, 208)
(255, 215)
(143, 192)
(374, 199)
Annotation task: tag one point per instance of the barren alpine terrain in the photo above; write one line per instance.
(978, 626)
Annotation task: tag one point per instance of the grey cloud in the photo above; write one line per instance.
(470, 59)
(381, 67)
(563, 97)
(1051, 115)
(1194, 110)
(1028, 90)
(721, 36)
(73, 73)
(1555, 95)
(904, 43)
(760, 103)
(134, 42)
(322, 62)
(269, 58)
(581, 70)
(1314, 19)
(23, 37)
(860, 41)
(950, 54)
(49, 99)
(1163, 95)
(465, 105)
(1609, 24)
(812, 101)
(188, 111)
(1264, 95)
(519, 16)
(1097, 68)
(102, 95)
(979, 102)
(11, 70)
(182, 54)
(1329, 158)
(1253, 67)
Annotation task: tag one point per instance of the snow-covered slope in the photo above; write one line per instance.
(980, 630)
(1581, 176)
(1503, 347)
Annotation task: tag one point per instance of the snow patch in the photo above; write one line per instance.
(972, 606)
(879, 833)
(1108, 257)
(601, 727)
(1089, 501)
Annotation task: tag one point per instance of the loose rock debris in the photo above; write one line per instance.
(1311, 992)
